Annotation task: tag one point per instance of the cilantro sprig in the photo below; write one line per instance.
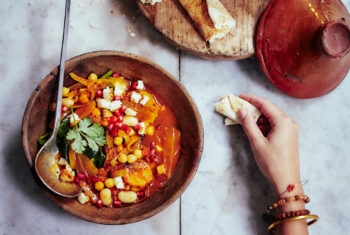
(86, 134)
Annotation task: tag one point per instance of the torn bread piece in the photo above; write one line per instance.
(210, 17)
(229, 105)
(152, 2)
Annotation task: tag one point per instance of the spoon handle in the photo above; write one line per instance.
(61, 71)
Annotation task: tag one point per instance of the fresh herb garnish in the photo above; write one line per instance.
(98, 157)
(107, 75)
(86, 134)
(42, 139)
(61, 141)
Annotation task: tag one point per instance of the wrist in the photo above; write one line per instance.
(287, 188)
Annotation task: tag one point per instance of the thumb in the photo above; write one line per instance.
(250, 127)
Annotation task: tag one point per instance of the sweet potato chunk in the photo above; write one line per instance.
(85, 165)
(147, 114)
(71, 156)
(171, 150)
(138, 174)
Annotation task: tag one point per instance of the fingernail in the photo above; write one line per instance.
(242, 113)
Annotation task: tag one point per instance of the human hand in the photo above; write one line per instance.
(275, 148)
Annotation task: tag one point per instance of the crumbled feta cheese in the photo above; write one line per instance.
(135, 97)
(114, 105)
(107, 93)
(130, 121)
(103, 103)
(142, 129)
(74, 119)
(62, 162)
(82, 198)
(119, 89)
(130, 112)
(144, 100)
(118, 181)
(140, 85)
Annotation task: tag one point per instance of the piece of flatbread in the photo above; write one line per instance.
(152, 2)
(229, 105)
(210, 17)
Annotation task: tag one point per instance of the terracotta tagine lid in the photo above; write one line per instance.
(303, 45)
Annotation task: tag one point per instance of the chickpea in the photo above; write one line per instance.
(106, 196)
(109, 183)
(123, 158)
(92, 77)
(138, 153)
(67, 102)
(132, 158)
(118, 140)
(65, 91)
(99, 186)
(150, 130)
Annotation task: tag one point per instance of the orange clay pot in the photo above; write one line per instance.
(303, 45)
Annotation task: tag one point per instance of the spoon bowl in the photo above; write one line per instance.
(48, 171)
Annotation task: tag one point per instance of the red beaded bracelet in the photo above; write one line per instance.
(285, 215)
(291, 187)
(291, 214)
(280, 202)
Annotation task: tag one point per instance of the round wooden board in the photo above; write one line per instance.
(172, 21)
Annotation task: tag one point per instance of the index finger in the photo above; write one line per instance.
(270, 110)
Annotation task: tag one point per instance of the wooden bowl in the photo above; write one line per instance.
(35, 122)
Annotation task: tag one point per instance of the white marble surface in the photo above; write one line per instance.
(228, 194)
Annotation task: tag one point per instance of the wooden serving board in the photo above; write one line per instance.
(170, 18)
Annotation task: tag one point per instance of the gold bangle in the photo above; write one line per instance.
(314, 217)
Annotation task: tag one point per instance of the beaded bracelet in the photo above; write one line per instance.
(291, 187)
(301, 217)
(290, 214)
(271, 218)
(280, 202)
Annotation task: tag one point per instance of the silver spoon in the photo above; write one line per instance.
(45, 163)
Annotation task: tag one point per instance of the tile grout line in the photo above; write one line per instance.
(179, 68)
(180, 218)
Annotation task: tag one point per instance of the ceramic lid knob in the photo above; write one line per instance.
(336, 38)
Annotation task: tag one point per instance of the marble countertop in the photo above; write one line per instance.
(228, 193)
